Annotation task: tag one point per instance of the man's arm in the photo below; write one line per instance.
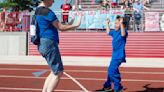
(62, 27)
(123, 33)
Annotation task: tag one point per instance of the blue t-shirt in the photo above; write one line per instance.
(45, 18)
(118, 45)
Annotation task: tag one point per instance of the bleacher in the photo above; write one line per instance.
(87, 5)
(157, 4)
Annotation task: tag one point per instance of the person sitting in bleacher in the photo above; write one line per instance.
(106, 4)
(115, 3)
(126, 4)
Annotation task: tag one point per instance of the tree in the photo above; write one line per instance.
(19, 5)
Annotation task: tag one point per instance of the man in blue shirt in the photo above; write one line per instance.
(119, 35)
(49, 25)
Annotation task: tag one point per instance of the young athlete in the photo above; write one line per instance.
(119, 35)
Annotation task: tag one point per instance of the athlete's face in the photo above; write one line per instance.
(117, 24)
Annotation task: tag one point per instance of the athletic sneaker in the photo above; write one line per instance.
(120, 91)
(109, 89)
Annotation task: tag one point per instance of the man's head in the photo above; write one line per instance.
(48, 3)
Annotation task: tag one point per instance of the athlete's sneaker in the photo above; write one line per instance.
(109, 89)
(121, 90)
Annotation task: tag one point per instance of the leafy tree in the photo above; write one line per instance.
(19, 5)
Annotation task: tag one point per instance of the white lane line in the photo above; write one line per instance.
(120, 71)
(142, 72)
(88, 79)
(87, 71)
(35, 89)
(78, 83)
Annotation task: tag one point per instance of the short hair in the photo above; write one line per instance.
(118, 17)
(124, 20)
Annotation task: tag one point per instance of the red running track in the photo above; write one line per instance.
(19, 78)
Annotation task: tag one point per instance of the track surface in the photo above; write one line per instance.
(20, 78)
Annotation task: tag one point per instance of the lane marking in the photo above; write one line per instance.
(35, 89)
(84, 79)
(78, 83)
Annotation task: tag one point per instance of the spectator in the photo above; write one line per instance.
(138, 8)
(16, 21)
(126, 5)
(9, 22)
(115, 3)
(65, 11)
(106, 4)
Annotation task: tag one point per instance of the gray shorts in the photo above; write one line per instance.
(50, 51)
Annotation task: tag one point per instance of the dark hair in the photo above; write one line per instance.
(124, 20)
(118, 17)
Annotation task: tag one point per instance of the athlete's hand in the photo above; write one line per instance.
(121, 20)
(107, 21)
